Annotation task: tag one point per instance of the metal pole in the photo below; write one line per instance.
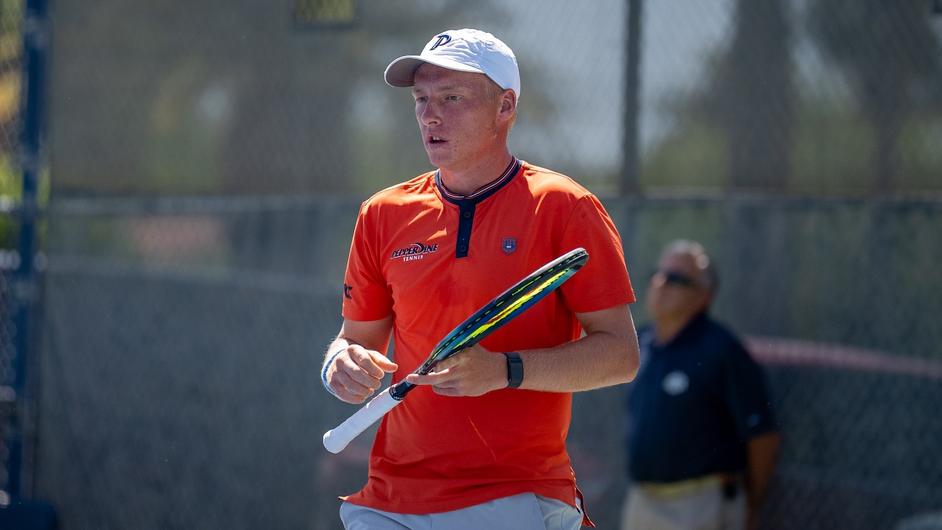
(630, 179)
(25, 282)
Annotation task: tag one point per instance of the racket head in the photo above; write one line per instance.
(507, 305)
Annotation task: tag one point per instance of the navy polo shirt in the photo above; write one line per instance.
(695, 402)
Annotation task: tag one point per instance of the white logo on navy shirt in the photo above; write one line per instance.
(675, 383)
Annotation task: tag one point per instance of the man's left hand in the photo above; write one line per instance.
(472, 372)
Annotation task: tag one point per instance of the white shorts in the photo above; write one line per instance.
(518, 512)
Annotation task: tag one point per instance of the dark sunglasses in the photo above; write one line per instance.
(675, 278)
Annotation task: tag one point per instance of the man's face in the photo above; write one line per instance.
(458, 115)
(676, 289)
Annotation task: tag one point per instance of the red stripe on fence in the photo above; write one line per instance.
(789, 352)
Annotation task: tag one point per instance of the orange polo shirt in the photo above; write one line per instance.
(431, 258)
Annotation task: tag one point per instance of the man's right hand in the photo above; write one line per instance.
(357, 372)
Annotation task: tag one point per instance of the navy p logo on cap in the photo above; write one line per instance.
(441, 40)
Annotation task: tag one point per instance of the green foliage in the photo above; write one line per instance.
(183, 144)
(690, 157)
(324, 12)
(829, 149)
(920, 153)
(10, 179)
(829, 155)
(9, 192)
(868, 121)
(226, 97)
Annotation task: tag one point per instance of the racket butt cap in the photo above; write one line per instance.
(332, 443)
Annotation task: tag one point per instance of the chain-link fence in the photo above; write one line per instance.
(807, 96)
(207, 160)
(181, 384)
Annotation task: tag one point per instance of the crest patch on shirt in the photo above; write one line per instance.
(508, 245)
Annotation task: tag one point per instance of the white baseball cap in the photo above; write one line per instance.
(464, 50)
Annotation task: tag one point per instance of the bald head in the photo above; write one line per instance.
(698, 259)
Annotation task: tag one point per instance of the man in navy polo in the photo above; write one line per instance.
(702, 439)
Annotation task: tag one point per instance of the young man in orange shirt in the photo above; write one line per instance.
(482, 442)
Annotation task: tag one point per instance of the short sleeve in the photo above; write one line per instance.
(747, 393)
(366, 295)
(603, 282)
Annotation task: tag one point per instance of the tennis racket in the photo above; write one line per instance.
(482, 323)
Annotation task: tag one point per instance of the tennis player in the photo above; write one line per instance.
(482, 442)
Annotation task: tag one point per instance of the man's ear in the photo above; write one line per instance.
(508, 102)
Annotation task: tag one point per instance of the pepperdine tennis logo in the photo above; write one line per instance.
(441, 40)
(414, 251)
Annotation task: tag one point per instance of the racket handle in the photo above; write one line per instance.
(336, 439)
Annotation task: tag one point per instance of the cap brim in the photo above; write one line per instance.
(401, 72)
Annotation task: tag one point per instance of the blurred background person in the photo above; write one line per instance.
(702, 440)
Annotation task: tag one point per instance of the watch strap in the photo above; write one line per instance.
(514, 369)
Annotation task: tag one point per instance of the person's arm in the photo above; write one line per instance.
(356, 361)
(762, 452)
(606, 355)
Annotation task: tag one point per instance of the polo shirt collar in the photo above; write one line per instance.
(484, 191)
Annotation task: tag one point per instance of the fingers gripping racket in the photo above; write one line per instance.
(482, 323)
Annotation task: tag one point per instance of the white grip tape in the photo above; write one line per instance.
(336, 439)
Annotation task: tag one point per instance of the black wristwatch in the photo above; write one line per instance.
(514, 369)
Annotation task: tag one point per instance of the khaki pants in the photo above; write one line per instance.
(697, 504)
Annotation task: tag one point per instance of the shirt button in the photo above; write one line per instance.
(463, 248)
(466, 215)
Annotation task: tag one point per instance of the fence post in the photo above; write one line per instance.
(25, 286)
(630, 177)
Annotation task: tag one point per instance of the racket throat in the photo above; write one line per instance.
(399, 390)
